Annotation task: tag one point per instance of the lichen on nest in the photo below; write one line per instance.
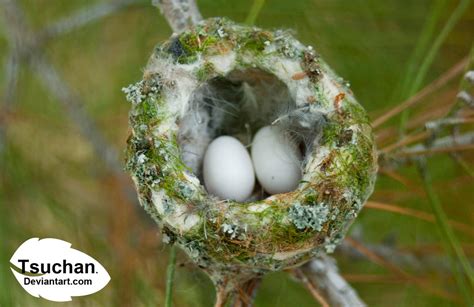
(223, 78)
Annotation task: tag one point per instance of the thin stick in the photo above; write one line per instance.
(403, 180)
(12, 70)
(322, 278)
(425, 216)
(74, 107)
(246, 293)
(83, 17)
(311, 287)
(21, 37)
(394, 269)
(406, 141)
(170, 277)
(373, 278)
(433, 50)
(437, 109)
(437, 150)
(445, 78)
(463, 164)
(221, 296)
(420, 260)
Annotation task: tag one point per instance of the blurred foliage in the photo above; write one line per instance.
(52, 185)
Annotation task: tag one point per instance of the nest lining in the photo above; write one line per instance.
(239, 104)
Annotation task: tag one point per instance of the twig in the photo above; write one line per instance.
(170, 277)
(417, 214)
(445, 78)
(405, 141)
(21, 38)
(180, 14)
(446, 144)
(408, 183)
(82, 17)
(12, 69)
(311, 287)
(321, 277)
(431, 151)
(15, 32)
(463, 164)
(398, 271)
(431, 54)
(396, 256)
(221, 296)
(246, 293)
(73, 105)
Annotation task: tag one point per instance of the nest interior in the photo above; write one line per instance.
(238, 104)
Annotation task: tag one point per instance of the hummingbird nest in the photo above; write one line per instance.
(221, 78)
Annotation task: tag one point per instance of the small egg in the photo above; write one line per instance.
(228, 170)
(277, 160)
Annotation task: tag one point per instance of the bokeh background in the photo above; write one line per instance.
(54, 184)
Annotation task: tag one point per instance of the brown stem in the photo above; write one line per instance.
(311, 287)
(221, 296)
(449, 75)
(246, 293)
(241, 292)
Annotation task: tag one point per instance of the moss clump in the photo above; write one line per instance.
(256, 40)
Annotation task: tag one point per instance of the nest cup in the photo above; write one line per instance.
(221, 78)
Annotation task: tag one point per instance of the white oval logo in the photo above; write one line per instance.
(51, 269)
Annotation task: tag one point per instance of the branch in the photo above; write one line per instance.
(12, 69)
(180, 14)
(400, 258)
(321, 276)
(428, 90)
(23, 47)
(74, 107)
(448, 143)
(83, 17)
(15, 29)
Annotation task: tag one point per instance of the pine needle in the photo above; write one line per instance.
(374, 257)
(254, 12)
(431, 55)
(449, 239)
(421, 215)
(429, 30)
(429, 89)
(406, 141)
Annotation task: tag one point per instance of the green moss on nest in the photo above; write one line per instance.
(255, 40)
(206, 72)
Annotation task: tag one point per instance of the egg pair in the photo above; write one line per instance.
(229, 171)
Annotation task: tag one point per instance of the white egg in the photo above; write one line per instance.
(277, 160)
(228, 170)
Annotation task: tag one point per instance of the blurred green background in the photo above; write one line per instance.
(53, 185)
